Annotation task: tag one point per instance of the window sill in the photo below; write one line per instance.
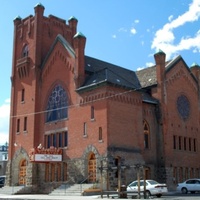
(63, 148)
(85, 135)
(17, 133)
(93, 119)
(56, 121)
(100, 141)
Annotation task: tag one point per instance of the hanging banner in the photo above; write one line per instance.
(45, 155)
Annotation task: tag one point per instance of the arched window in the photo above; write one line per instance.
(146, 135)
(22, 172)
(92, 167)
(25, 51)
(57, 105)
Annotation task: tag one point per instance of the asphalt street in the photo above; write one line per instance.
(48, 197)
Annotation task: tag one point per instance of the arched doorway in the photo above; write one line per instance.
(92, 168)
(22, 172)
(147, 173)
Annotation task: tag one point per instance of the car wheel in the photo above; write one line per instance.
(184, 190)
(148, 193)
(159, 195)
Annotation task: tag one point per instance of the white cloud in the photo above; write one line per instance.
(150, 64)
(170, 17)
(133, 31)
(136, 21)
(139, 68)
(164, 38)
(4, 121)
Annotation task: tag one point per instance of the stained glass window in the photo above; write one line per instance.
(57, 105)
(183, 106)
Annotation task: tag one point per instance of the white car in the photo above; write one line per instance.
(190, 185)
(152, 188)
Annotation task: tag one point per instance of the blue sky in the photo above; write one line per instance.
(124, 32)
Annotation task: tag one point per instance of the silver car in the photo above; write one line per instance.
(152, 187)
(190, 185)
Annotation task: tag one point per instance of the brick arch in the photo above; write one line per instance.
(19, 155)
(56, 83)
(88, 150)
(91, 157)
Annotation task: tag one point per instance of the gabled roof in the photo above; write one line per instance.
(147, 76)
(103, 72)
(65, 44)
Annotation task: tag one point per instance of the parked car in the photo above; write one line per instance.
(2, 181)
(190, 185)
(152, 187)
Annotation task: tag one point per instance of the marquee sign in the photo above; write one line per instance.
(45, 155)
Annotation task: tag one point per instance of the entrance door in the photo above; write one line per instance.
(22, 172)
(147, 173)
(92, 168)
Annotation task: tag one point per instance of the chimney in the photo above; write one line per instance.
(160, 65)
(39, 11)
(160, 74)
(73, 24)
(79, 47)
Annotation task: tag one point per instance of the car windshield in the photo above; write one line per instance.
(2, 180)
(153, 182)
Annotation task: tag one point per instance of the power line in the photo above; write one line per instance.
(74, 105)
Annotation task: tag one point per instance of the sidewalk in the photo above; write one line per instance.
(46, 197)
(56, 197)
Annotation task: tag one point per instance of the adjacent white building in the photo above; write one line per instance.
(3, 158)
(4, 152)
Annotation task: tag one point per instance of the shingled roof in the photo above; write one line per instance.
(147, 76)
(100, 72)
(103, 72)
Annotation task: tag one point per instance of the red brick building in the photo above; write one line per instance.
(95, 114)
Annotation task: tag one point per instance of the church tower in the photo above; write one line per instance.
(33, 38)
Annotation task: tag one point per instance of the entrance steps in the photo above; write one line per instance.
(10, 189)
(65, 189)
(71, 190)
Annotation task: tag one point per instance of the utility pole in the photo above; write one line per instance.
(138, 167)
(119, 175)
(138, 179)
(101, 172)
(101, 168)
(144, 178)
